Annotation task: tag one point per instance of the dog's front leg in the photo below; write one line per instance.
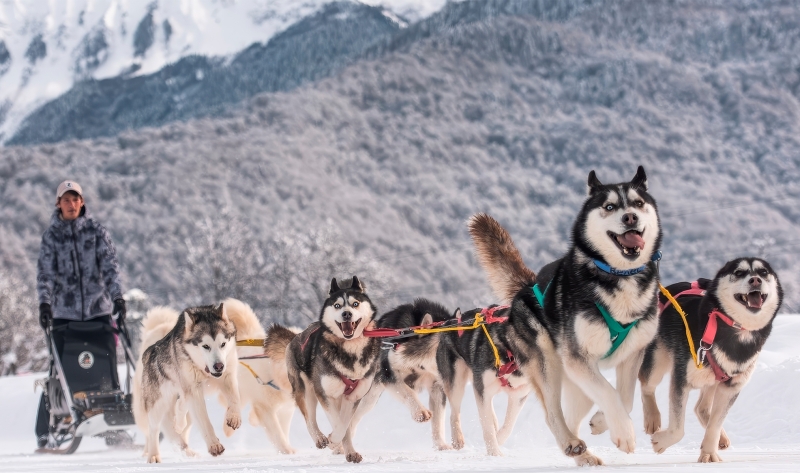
(678, 394)
(703, 411)
(724, 397)
(627, 372)
(586, 374)
(344, 415)
(516, 399)
(486, 415)
(230, 392)
(197, 406)
(366, 404)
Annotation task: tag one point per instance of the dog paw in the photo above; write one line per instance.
(442, 446)
(336, 448)
(422, 415)
(354, 457)
(287, 450)
(154, 458)
(233, 420)
(494, 451)
(709, 457)
(575, 447)
(458, 441)
(216, 449)
(189, 452)
(652, 424)
(724, 441)
(663, 439)
(321, 441)
(625, 440)
(598, 423)
(588, 459)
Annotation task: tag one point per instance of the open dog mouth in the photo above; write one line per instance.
(348, 328)
(753, 300)
(216, 375)
(630, 243)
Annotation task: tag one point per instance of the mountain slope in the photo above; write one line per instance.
(196, 86)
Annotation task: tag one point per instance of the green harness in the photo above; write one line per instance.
(617, 331)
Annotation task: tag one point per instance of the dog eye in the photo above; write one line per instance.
(207, 347)
(223, 345)
(763, 273)
(355, 304)
(610, 207)
(740, 273)
(640, 203)
(337, 306)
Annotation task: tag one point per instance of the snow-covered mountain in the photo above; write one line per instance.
(46, 46)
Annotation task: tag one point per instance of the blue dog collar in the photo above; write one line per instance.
(605, 267)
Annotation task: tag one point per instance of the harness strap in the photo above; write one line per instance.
(617, 331)
(672, 300)
(507, 368)
(607, 268)
(693, 291)
(350, 385)
(251, 342)
(303, 345)
(258, 379)
(719, 374)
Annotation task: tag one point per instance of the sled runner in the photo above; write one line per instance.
(81, 396)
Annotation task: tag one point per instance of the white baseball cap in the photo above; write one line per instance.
(67, 186)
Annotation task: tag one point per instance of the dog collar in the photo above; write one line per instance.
(607, 268)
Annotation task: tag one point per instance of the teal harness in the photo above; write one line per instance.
(618, 331)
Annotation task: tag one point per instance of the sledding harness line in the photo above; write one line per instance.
(255, 342)
(710, 332)
(486, 316)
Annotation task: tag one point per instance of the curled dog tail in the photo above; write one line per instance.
(278, 338)
(156, 324)
(244, 319)
(499, 257)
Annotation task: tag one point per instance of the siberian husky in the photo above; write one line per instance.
(333, 363)
(173, 370)
(741, 302)
(605, 284)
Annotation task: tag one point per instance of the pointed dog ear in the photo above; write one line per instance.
(334, 286)
(356, 284)
(188, 322)
(221, 313)
(457, 313)
(639, 181)
(594, 183)
(427, 319)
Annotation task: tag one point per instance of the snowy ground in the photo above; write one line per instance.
(764, 426)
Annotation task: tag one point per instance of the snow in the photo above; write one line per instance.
(205, 27)
(764, 426)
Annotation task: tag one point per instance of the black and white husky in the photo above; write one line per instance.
(333, 363)
(410, 366)
(599, 309)
(729, 318)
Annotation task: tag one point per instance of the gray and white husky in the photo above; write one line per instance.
(172, 373)
(745, 292)
(605, 284)
(332, 363)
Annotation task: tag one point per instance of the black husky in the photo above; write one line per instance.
(729, 318)
(594, 308)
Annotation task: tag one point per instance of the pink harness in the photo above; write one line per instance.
(710, 332)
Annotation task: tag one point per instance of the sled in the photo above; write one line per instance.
(81, 396)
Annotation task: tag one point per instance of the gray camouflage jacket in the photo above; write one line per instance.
(78, 272)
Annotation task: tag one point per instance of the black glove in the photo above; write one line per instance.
(45, 314)
(119, 309)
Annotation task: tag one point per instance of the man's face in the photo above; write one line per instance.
(70, 205)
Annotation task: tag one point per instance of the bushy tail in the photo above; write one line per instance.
(499, 257)
(278, 339)
(244, 319)
(156, 324)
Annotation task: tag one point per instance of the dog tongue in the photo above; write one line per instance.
(754, 300)
(348, 328)
(631, 240)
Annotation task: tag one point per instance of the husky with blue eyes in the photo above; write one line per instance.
(333, 363)
(730, 318)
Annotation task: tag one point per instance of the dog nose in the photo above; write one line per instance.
(630, 219)
(347, 315)
(218, 367)
(755, 281)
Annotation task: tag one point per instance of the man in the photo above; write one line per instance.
(78, 272)
(79, 290)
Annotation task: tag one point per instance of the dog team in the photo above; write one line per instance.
(597, 307)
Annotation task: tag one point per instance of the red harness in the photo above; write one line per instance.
(710, 332)
(350, 385)
(511, 365)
